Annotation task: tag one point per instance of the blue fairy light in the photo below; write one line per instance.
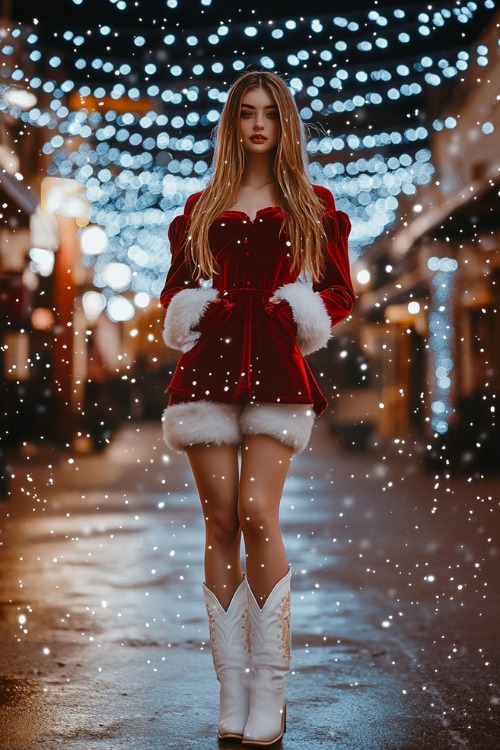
(440, 337)
(138, 167)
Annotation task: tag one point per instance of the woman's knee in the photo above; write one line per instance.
(222, 528)
(255, 517)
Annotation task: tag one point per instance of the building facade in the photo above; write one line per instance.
(430, 317)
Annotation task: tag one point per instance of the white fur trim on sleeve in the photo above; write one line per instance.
(309, 313)
(185, 311)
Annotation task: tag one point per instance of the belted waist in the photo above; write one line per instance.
(246, 289)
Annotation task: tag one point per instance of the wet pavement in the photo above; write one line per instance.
(395, 596)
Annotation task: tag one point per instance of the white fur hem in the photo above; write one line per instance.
(216, 423)
(201, 423)
(291, 424)
(184, 312)
(309, 313)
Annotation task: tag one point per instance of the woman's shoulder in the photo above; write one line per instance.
(191, 202)
(180, 223)
(325, 196)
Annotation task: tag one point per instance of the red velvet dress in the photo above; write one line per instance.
(243, 347)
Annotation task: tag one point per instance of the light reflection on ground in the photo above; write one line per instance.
(103, 625)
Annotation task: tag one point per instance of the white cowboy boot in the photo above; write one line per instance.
(270, 636)
(229, 639)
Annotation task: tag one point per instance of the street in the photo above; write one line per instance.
(395, 602)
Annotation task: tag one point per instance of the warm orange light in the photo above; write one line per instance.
(123, 104)
(42, 319)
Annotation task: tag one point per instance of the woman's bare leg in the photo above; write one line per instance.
(264, 466)
(216, 473)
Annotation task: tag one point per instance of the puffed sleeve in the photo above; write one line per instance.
(184, 300)
(318, 307)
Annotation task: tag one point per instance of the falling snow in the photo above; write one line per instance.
(391, 516)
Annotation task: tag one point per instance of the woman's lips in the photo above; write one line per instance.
(258, 138)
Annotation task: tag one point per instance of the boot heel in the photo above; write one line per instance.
(267, 743)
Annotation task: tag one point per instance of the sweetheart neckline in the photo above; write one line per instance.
(244, 213)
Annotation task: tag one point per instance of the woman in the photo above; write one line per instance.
(242, 398)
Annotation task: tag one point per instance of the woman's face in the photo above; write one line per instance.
(259, 122)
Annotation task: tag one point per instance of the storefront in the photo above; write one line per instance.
(430, 315)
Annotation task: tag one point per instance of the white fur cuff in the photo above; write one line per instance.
(201, 423)
(291, 424)
(309, 313)
(184, 312)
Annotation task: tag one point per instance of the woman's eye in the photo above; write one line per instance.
(246, 114)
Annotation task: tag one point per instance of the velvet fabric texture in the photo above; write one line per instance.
(238, 346)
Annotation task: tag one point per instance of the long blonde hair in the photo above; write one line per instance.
(303, 210)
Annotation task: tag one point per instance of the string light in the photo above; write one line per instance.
(135, 130)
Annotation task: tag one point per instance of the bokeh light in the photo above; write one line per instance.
(131, 122)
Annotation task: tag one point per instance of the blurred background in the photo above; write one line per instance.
(107, 112)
